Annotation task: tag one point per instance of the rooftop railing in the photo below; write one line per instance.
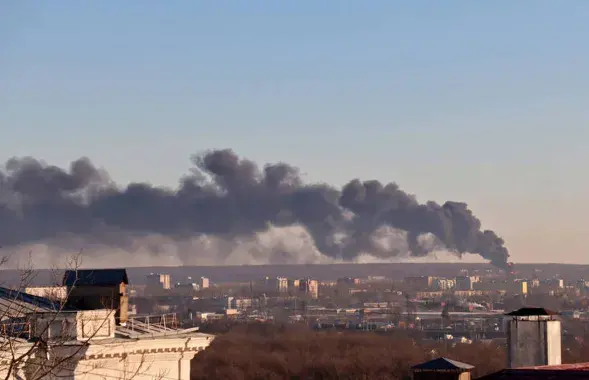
(153, 323)
(16, 329)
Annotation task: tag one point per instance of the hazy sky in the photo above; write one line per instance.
(479, 101)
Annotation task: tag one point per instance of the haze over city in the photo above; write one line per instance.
(452, 102)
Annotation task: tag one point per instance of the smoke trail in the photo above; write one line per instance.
(228, 210)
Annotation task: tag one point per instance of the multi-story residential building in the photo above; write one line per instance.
(443, 283)
(160, 280)
(417, 283)
(204, 283)
(310, 287)
(294, 284)
(466, 282)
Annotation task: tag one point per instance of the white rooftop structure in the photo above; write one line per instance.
(53, 342)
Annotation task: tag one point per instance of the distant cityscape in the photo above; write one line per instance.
(461, 308)
(519, 311)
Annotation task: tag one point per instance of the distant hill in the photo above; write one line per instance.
(322, 272)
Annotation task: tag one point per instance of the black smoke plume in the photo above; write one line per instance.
(228, 196)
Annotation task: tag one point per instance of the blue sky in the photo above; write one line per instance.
(484, 102)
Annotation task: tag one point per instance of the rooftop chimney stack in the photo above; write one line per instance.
(441, 369)
(94, 289)
(533, 338)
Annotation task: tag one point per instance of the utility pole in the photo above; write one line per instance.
(408, 309)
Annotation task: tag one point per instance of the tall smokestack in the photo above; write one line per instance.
(223, 205)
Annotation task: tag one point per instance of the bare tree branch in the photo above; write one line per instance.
(28, 344)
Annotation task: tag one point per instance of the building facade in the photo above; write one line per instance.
(310, 287)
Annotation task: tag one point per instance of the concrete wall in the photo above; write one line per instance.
(554, 343)
(95, 324)
(81, 325)
(533, 343)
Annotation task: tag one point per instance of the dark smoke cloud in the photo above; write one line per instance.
(228, 196)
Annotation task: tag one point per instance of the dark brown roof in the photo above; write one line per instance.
(96, 277)
(531, 311)
(442, 364)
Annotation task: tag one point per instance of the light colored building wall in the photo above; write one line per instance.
(282, 284)
(294, 284)
(80, 325)
(533, 343)
(138, 359)
(523, 287)
(310, 287)
(443, 284)
(52, 292)
(165, 280)
(160, 358)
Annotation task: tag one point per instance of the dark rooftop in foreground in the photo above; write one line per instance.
(442, 364)
(563, 371)
(97, 277)
(531, 311)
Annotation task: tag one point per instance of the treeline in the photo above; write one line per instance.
(271, 352)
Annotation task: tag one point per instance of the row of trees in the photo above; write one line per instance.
(264, 351)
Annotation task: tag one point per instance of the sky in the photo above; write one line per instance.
(483, 102)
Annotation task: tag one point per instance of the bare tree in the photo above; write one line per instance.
(44, 338)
